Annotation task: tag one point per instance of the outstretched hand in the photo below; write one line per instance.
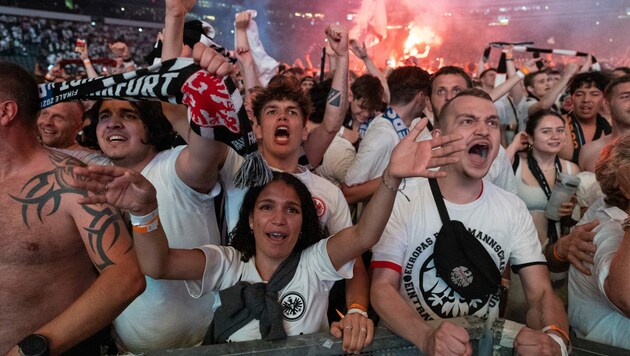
(359, 49)
(578, 247)
(412, 158)
(124, 188)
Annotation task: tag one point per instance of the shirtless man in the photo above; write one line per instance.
(617, 99)
(48, 284)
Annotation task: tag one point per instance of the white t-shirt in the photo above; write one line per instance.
(591, 314)
(332, 208)
(374, 152)
(501, 173)
(337, 160)
(165, 316)
(498, 219)
(304, 299)
(523, 111)
(507, 114)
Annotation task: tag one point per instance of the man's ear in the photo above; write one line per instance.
(529, 89)
(606, 106)
(8, 112)
(304, 133)
(257, 130)
(436, 132)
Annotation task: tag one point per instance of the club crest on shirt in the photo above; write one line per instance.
(293, 306)
(319, 206)
(430, 295)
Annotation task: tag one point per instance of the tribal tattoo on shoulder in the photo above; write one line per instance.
(43, 193)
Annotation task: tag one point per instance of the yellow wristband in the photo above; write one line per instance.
(524, 70)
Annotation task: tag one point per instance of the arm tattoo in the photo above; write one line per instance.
(541, 317)
(334, 97)
(47, 189)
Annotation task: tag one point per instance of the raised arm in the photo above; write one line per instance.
(360, 51)
(409, 159)
(121, 51)
(337, 103)
(87, 63)
(198, 164)
(512, 81)
(173, 43)
(548, 99)
(243, 54)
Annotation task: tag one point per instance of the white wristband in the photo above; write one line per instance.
(520, 74)
(560, 342)
(143, 220)
(341, 131)
(357, 311)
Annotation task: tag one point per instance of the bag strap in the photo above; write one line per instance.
(439, 200)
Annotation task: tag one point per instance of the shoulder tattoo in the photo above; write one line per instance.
(43, 193)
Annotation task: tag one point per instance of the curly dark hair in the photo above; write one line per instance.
(283, 88)
(159, 129)
(241, 236)
(598, 80)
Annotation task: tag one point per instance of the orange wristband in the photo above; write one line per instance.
(524, 70)
(151, 226)
(564, 334)
(556, 255)
(358, 306)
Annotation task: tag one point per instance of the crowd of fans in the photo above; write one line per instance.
(51, 40)
(439, 181)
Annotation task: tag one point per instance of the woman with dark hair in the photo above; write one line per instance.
(275, 277)
(538, 167)
(537, 170)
